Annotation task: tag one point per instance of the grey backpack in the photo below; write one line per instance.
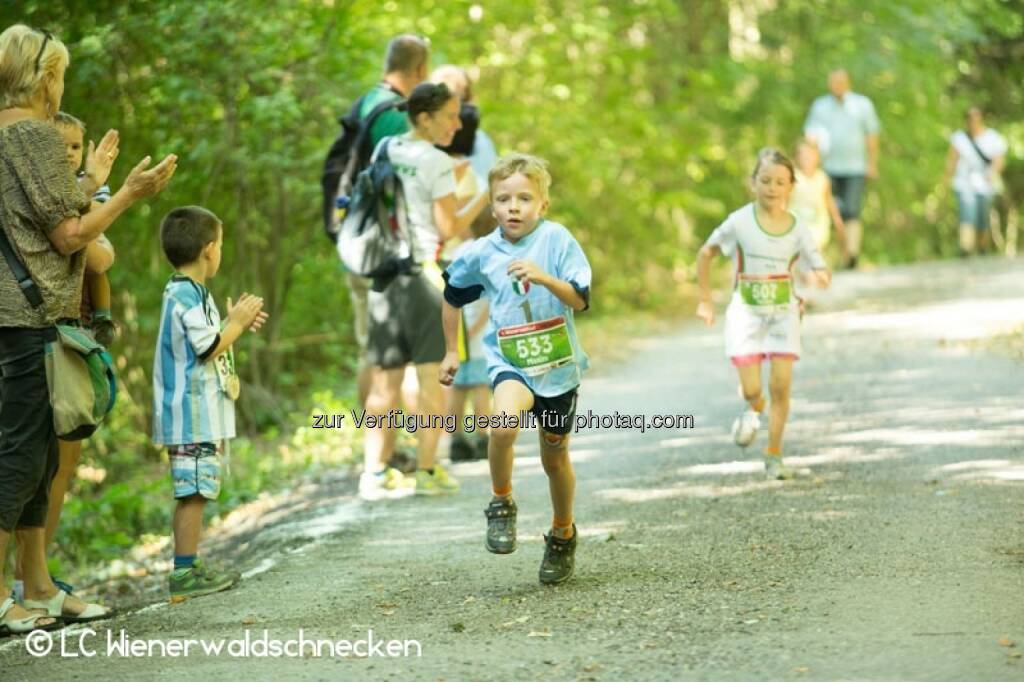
(374, 239)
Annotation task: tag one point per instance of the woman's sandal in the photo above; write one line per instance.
(20, 626)
(55, 607)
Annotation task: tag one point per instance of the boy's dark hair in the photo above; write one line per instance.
(406, 54)
(185, 231)
(426, 98)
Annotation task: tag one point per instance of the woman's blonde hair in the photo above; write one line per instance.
(533, 167)
(29, 60)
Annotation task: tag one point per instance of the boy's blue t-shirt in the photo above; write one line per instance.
(190, 403)
(483, 269)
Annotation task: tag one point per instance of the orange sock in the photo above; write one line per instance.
(758, 404)
(502, 492)
(562, 528)
(772, 452)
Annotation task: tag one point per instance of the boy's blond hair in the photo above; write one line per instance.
(63, 118)
(533, 167)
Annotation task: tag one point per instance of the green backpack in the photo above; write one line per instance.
(80, 377)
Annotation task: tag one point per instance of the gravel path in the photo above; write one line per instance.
(898, 555)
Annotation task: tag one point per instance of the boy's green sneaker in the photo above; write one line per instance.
(437, 483)
(559, 559)
(501, 526)
(199, 580)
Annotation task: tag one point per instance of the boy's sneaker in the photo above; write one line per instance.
(389, 484)
(744, 429)
(437, 483)
(199, 580)
(461, 449)
(774, 469)
(501, 526)
(559, 559)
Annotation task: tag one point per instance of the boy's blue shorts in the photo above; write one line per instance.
(195, 470)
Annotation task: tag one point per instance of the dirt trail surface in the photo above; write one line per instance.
(898, 555)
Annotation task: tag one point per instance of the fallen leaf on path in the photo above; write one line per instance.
(458, 627)
(1006, 641)
(535, 633)
(249, 621)
(520, 619)
(802, 669)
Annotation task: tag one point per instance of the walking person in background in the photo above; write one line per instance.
(976, 158)
(405, 318)
(849, 123)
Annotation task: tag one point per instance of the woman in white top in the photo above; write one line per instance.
(976, 158)
(405, 318)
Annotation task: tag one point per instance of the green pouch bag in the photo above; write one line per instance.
(80, 377)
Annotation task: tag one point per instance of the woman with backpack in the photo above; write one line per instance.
(405, 318)
(976, 159)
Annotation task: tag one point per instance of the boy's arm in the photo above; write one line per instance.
(450, 324)
(246, 314)
(564, 291)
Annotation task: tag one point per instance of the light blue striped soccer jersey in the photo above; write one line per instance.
(190, 404)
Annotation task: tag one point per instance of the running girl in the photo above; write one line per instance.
(763, 318)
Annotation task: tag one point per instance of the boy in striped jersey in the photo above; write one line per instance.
(195, 385)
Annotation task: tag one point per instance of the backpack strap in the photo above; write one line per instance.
(364, 134)
(25, 282)
(984, 159)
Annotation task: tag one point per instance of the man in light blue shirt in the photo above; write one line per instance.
(845, 126)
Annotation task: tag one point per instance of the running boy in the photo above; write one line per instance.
(763, 317)
(535, 275)
(195, 386)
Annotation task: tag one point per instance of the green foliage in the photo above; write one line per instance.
(650, 111)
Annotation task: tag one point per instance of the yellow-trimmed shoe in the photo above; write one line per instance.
(437, 483)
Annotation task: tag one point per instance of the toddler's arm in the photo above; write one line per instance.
(99, 256)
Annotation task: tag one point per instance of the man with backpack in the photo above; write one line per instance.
(375, 115)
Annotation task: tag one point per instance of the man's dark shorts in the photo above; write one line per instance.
(405, 323)
(848, 190)
(555, 415)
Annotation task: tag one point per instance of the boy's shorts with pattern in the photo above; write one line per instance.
(195, 470)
